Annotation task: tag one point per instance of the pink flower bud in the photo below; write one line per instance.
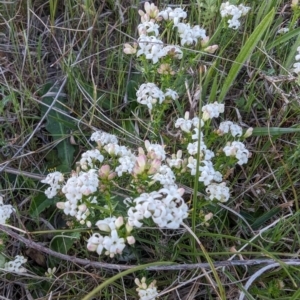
(104, 171)
(91, 247)
(181, 191)
(128, 49)
(82, 207)
(211, 49)
(119, 222)
(60, 205)
(140, 164)
(111, 176)
(154, 167)
(204, 42)
(130, 240)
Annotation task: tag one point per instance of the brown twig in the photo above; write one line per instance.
(101, 265)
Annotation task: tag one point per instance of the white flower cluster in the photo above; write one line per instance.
(5, 211)
(297, 64)
(166, 208)
(149, 43)
(173, 14)
(228, 10)
(146, 292)
(227, 126)
(186, 124)
(238, 150)
(212, 110)
(111, 244)
(218, 191)
(102, 138)
(89, 158)
(199, 151)
(16, 265)
(149, 94)
(54, 179)
(190, 35)
(77, 186)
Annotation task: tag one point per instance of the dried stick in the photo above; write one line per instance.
(101, 265)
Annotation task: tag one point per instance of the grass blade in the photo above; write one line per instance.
(245, 53)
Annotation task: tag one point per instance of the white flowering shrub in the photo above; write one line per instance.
(150, 175)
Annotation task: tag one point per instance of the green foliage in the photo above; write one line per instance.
(63, 242)
(245, 53)
(38, 204)
(58, 125)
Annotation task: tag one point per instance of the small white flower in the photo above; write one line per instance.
(95, 243)
(238, 150)
(16, 265)
(171, 94)
(149, 94)
(218, 191)
(212, 110)
(176, 160)
(89, 157)
(173, 51)
(108, 224)
(102, 138)
(155, 151)
(229, 10)
(227, 126)
(282, 30)
(165, 176)
(148, 27)
(113, 244)
(5, 211)
(151, 47)
(127, 163)
(54, 180)
(173, 14)
(146, 292)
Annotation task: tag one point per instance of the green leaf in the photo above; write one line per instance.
(63, 243)
(265, 217)
(58, 125)
(265, 131)
(38, 204)
(284, 38)
(2, 261)
(245, 53)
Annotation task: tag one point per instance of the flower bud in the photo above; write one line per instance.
(82, 207)
(205, 41)
(248, 132)
(103, 226)
(129, 228)
(211, 49)
(140, 164)
(294, 3)
(154, 167)
(128, 49)
(91, 247)
(119, 222)
(60, 205)
(130, 240)
(104, 171)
